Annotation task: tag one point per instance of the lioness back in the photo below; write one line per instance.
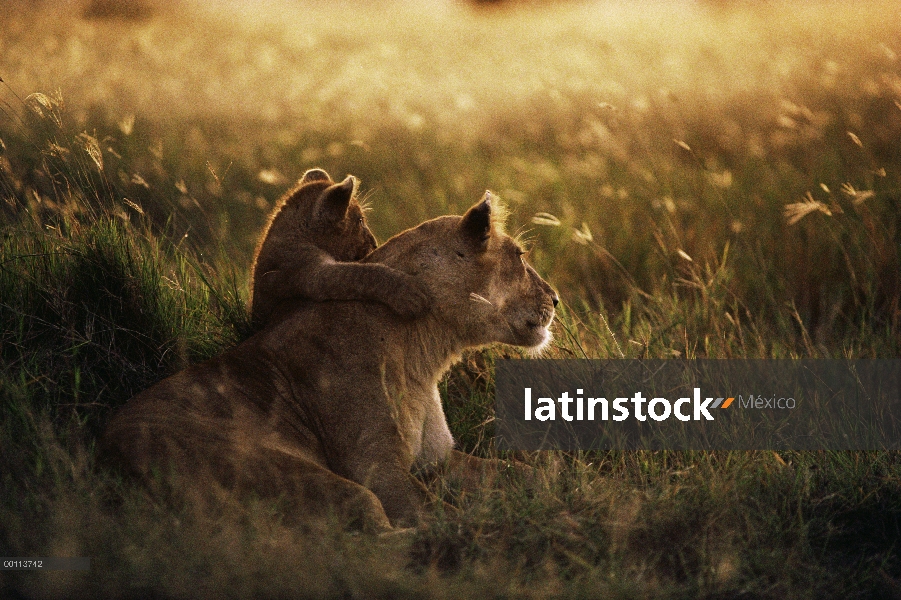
(316, 234)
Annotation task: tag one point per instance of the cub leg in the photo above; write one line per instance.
(330, 280)
(402, 293)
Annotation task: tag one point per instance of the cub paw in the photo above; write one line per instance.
(409, 298)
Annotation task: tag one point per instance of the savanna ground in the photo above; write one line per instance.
(696, 179)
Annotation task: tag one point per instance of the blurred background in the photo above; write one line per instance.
(636, 144)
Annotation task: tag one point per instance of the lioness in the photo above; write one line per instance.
(332, 407)
(315, 232)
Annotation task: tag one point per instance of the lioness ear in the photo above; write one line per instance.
(476, 223)
(332, 204)
(315, 175)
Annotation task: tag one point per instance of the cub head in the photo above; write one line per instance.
(329, 216)
(483, 288)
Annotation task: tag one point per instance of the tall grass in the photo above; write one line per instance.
(750, 209)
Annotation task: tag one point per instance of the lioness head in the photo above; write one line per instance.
(330, 216)
(482, 286)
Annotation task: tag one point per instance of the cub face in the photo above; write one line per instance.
(478, 276)
(330, 216)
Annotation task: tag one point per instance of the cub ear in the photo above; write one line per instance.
(332, 204)
(476, 223)
(314, 175)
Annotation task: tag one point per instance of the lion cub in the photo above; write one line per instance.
(310, 249)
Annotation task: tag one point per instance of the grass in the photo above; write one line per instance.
(696, 181)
